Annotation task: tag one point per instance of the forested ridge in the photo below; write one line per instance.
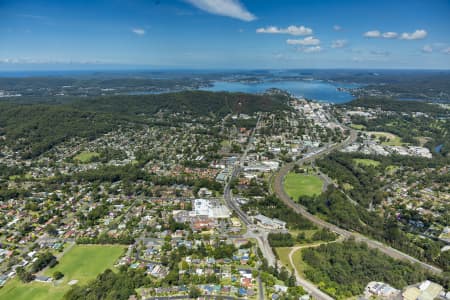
(195, 102)
(35, 128)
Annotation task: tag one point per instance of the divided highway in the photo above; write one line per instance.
(260, 234)
(235, 174)
(278, 188)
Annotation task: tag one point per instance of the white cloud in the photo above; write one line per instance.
(339, 44)
(436, 47)
(228, 8)
(7, 61)
(311, 49)
(416, 35)
(372, 34)
(427, 49)
(138, 31)
(37, 61)
(307, 41)
(390, 35)
(337, 28)
(292, 30)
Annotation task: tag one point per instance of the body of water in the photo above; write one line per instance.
(311, 89)
(316, 90)
(438, 148)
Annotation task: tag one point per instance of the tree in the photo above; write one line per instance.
(110, 285)
(194, 292)
(301, 237)
(292, 280)
(23, 275)
(45, 259)
(52, 230)
(343, 269)
(58, 275)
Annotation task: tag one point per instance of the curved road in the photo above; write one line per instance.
(278, 188)
(260, 234)
(309, 286)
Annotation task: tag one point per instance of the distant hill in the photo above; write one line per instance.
(35, 128)
(195, 102)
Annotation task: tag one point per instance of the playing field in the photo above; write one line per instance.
(82, 263)
(393, 140)
(358, 126)
(86, 157)
(17, 290)
(366, 162)
(297, 185)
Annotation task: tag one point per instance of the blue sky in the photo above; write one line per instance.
(232, 34)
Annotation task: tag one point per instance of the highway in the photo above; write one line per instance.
(260, 288)
(252, 230)
(261, 234)
(278, 188)
(227, 194)
(261, 237)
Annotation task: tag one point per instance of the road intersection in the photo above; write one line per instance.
(260, 234)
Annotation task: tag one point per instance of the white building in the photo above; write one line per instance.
(210, 208)
(426, 290)
(280, 288)
(381, 289)
(266, 222)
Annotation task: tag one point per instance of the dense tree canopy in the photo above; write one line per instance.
(36, 128)
(110, 285)
(344, 269)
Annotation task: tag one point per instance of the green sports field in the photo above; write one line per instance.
(297, 185)
(393, 140)
(86, 157)
(82, 263)
(358, 126)
(366, 162)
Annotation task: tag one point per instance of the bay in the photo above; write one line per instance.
(310, 89)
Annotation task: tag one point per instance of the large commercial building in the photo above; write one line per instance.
(210, 208)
